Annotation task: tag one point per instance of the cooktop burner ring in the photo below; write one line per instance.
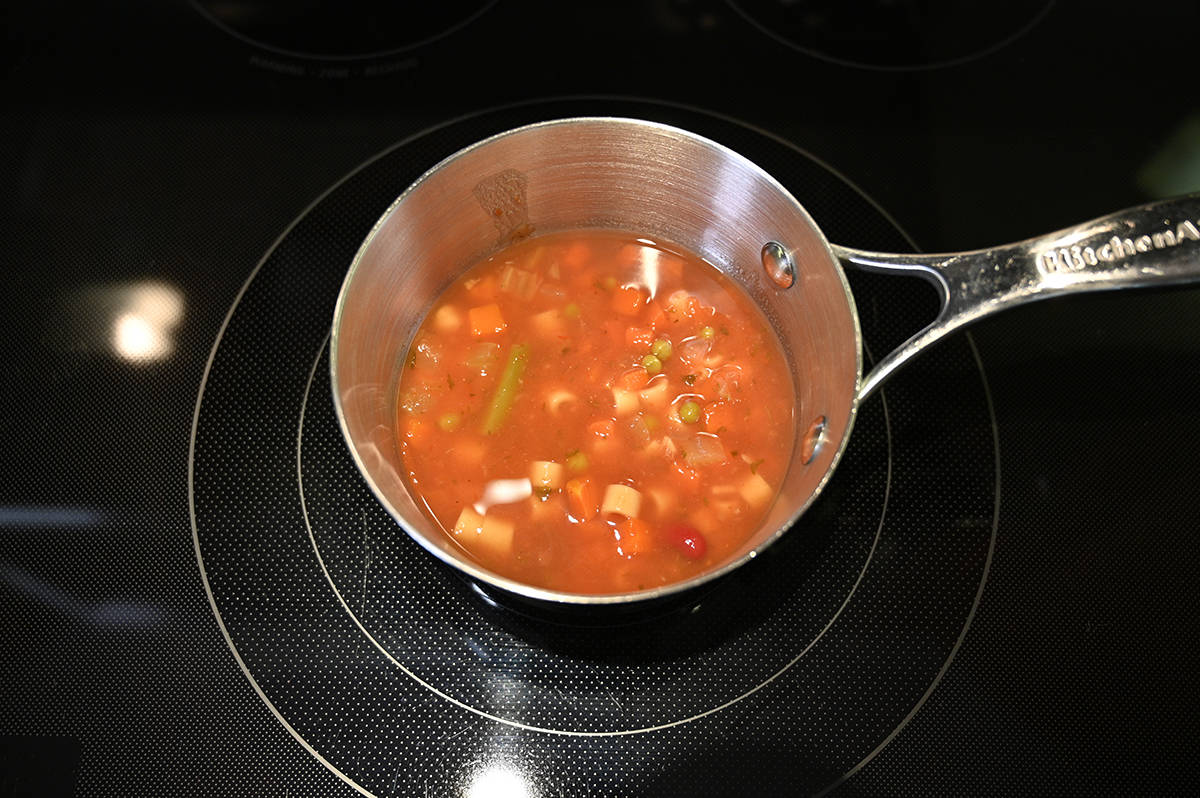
(817, 30)
(273, 30)
(321, 360)
(298, 647)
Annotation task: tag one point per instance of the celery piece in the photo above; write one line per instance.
(506, 391)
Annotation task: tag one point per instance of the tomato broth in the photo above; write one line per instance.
(595, 412)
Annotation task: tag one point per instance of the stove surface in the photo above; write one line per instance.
(198, 594)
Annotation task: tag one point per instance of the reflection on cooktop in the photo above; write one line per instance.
(894, 34)
(339, 30)
(830, 640)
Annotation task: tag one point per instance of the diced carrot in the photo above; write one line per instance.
(722, 416)
(655, 316)
(633, 536)
(628, 300)
(604, 428)
(632, 380)
(639, 337)
(577, 255)
(486, 320)
(582, 498)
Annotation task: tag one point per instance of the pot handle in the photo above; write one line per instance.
(1148, 245)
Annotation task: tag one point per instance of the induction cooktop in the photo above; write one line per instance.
(200, 595)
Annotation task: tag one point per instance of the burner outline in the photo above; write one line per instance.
(334, 58)
(984, 576)
(574, 733)
(847, 62)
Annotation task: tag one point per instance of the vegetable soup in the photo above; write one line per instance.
(594, 412)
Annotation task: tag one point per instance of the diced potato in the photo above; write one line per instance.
(546, 475)
(625, 402)
(496, 535)
(655, 397)
(621, 500)
(469, 523)
(549, 324)
(756, 490)
(447, 319)
(662, 500)
(726, 509)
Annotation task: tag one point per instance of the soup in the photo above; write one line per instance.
(594, 412)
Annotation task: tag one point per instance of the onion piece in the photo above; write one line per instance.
(703, 449)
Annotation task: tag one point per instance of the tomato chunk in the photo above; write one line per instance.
(687, 540)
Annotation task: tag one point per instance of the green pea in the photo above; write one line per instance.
(708, 332)
(449, 421)
(651, 422)
(651, 364)
(689, 412)
(577, 461)
(661, 349)
(571, 311)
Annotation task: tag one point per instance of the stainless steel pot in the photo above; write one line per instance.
(676, 186)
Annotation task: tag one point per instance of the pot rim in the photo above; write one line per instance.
(472, 569)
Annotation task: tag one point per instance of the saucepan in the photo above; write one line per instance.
(673, 185)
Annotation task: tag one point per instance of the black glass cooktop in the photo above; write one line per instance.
(198, 594)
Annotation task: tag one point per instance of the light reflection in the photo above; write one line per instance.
(118, 614)
(143, 328)
(503, 491)
(649, 268)
(135, 321)
(497, 781)
(28, 516)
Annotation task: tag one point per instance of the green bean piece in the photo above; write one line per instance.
(577, 461)
(506, 390)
